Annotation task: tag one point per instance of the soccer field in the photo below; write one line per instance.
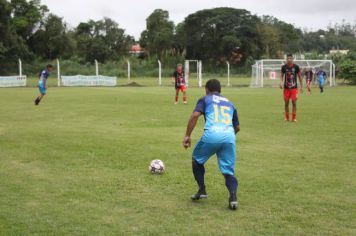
(78, 164)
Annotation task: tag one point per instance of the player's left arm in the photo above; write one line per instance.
(45, 83)
(190, 127)
(300, 81)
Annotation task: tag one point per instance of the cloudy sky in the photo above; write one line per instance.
(131, 15)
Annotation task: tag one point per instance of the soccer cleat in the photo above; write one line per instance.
(201, 194)
(233, 204)
(286, 120)
(295, 120)
(37, 101)
(185, 102)
(175, 103)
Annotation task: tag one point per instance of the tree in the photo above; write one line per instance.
(158, 36)
(288, 38)
(27, 16)
(347, 68)
(222, 34)
(12, 21)
(270, 42)
(51, 40)
(101, 40)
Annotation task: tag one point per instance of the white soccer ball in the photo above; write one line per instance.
(156, 167)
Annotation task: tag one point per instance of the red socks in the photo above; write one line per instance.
(286, 116)
(294, 116)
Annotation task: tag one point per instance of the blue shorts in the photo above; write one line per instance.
(42, 89)
(226, 153)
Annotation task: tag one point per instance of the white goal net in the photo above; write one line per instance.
(13, 81)
(83, 80)
(267, 73)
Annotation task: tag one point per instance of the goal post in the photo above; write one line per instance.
(267, 73)
(199, 70)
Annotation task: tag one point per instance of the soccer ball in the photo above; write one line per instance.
(156, 167)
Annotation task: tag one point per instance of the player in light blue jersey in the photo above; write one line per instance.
(221, 126)
(321, 76)
(42, 83)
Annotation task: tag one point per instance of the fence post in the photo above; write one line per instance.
(96, 68)
(128, 71)
(20, 67)
(159, 73)
(58, 74)
(228, 74)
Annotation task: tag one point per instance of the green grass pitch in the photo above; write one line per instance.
(78, 164)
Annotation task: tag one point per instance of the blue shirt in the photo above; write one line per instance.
(43, 76)
(321, 76)
(220, 119)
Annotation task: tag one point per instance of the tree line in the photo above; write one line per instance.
(30, 31)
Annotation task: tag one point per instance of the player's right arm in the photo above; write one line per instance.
(237, 129)
(198, 111)
(235, 122)
(281, 85)
(173, 78)
(190, 127)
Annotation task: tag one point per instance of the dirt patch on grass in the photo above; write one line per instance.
(133, 84)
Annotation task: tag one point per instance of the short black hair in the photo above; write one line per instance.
(213, 85)
(289, 55)
(49, 66)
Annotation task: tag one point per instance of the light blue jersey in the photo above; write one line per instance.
(219, 133)
(220, 118)
(321, 77)
(43, 76)
(42, 81)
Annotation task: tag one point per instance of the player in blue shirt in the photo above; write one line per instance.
(42, 83)
(321, 76)
(221, 126)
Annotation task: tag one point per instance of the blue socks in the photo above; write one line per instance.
(231, 183)
(199, 171)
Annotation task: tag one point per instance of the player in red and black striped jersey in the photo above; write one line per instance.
(289, 74)
(178, 78)
(309, 75)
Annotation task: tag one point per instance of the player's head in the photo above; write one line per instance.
(49, 67)
(212, 86)
(179, 68)
(290, 58)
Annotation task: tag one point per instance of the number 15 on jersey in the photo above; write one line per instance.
(222, 114)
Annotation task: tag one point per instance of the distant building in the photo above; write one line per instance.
(136, 49)
(337, 51)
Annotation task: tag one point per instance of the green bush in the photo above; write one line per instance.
(348, 70)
